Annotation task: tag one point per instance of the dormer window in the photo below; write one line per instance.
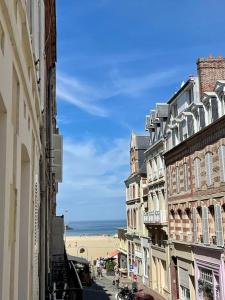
(190, 96)
(174, 110)
(201, 118)
(214, 108)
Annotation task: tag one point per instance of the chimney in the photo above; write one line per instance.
(210, 70)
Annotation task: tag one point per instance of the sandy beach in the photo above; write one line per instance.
(93, 246)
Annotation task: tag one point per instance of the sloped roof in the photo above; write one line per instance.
(142, 141)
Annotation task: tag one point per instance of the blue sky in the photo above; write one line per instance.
(116, 59)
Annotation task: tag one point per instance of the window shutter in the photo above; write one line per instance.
(205, 225)
(222, 162)
(195, 225)
(219, 226)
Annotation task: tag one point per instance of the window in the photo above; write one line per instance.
(177, 180)
(214, 108)
(185, 293)
(209, 168)
(201, 117)
(197, 171)
(190, 96)
(206, 275)
(15, 101)
(185, 177)
(205, 225)
(221, 153)
(145, 262)
(190, 125)
(195, 224)
(133, 192)
(174, 110)
(218, 226)
(2, 38)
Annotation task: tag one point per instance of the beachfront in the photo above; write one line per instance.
(91, 247)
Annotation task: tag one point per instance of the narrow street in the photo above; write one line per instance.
(101, 289)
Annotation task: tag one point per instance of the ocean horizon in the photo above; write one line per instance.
(102, 227)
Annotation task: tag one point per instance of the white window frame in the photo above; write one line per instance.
(177, 179)
(197, 171)
(221, 154)
(209, 168)
(185, 170)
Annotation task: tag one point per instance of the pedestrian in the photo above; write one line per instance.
(117, 278)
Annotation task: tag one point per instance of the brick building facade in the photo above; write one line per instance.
(195, 189)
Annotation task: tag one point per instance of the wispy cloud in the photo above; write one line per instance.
(94, 176)
(83, 96)
(91, 97)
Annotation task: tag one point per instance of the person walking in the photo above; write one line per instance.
(117, 279)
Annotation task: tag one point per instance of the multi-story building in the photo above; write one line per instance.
(28, 144)
(155, 216)
(135, 193)
(20, 115)
(195, 166)
(122, 250)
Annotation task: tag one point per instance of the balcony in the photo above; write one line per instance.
(155, 217)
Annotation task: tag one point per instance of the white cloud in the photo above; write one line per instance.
(94, 177)
(90, 97)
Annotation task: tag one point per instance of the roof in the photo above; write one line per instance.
(142, 141)
(142, 169)
(78, 259)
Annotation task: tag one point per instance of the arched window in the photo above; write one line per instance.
(197, 171)
(209, 168)
(221, 153)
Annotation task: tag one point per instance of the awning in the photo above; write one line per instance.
(113, 254)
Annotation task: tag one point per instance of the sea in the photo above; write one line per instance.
(108, 227)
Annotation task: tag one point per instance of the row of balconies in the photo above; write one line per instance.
(189, 238)
(155, 217)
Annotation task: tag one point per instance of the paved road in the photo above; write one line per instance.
(102, 289)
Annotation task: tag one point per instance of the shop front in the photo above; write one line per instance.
(209, 273)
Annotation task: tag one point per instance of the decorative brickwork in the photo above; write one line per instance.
(209, 70)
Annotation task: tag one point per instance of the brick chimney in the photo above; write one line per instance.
(209, 70)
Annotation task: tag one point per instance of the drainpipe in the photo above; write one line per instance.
(42, 243)
(50, 152)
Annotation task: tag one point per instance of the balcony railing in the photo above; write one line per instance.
(155, 217)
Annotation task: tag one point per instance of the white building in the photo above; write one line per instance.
(22, 101)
